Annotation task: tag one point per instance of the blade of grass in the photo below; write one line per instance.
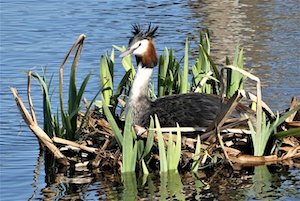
(127, 149)
(106, 80)
(184, 81)
(144, 167)
(291, 132)
(112, 123)
(213, 65)
(174, 151)
(47, 111)
(78, 44)
(161, 146)
(162, 72)
(89, 108)
(134, 157)
(150, 137)
(196, 158)
(234, 78)
(286, 115)
(81, 90)
(120, 88)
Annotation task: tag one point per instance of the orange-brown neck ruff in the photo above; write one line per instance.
(149, 58)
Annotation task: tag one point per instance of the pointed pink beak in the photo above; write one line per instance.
(126, 52)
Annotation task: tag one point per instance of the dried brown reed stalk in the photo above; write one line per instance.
(225, 112)
(74, 144)
(30, 120)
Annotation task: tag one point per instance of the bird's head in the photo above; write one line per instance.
(141, 45)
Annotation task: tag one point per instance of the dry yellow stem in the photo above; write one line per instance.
(39, 133)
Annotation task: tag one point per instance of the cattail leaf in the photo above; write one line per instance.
(196, 158)
(128, 151)
(106, 80)
(184, 81)
(150, 137)
(112, 123)
(161, 146)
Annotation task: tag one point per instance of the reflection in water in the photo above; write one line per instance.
(61, 183)
(228, 23)
(130, 186)
(171, 186)
(36, 174)
(233, 22)
(218, 184)
(262, 183)
(268, 31)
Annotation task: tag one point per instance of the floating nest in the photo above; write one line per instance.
(97, 146)
(227, 141)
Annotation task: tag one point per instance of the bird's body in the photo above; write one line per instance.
(191, 109)
(170, 110)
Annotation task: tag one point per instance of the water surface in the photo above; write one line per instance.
(35, 34)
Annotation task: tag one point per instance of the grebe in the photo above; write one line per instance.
(191, 109)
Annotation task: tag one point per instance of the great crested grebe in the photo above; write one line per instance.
(191, 109)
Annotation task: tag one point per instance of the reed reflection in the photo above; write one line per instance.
(234, 22)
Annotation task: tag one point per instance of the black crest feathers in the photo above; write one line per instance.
(151, 32)
(137, 32)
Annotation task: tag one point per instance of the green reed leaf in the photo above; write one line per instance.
(184, 81)
(106, 80)
(112, 122)
(196, 158)
(150, 137)
(128, 147)
(161, 146)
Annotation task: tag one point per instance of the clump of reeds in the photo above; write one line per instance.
(111, 141)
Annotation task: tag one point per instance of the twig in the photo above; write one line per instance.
(291, 153)
(223, 147)
(225, 129)
(181, 129)
(253, 98)
(229, 128)
(74, 144)
(253, 160)
(258, 95)
(39, 133)
(101, 152)
(226, 111)
(294, 103)
(105, 125)
(29, 98)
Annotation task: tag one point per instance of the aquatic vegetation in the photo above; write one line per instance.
(129, 148)
(269, 129)
(68, 126)
(196, 162)
(168, 160)
(169, 75)
(111, 141)
(235, 78)
(51, 125)
(203, 69)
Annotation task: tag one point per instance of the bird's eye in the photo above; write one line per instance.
(140, 44)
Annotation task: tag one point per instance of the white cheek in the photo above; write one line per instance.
(142, 48)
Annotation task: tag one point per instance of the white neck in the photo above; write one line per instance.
(140, 85)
